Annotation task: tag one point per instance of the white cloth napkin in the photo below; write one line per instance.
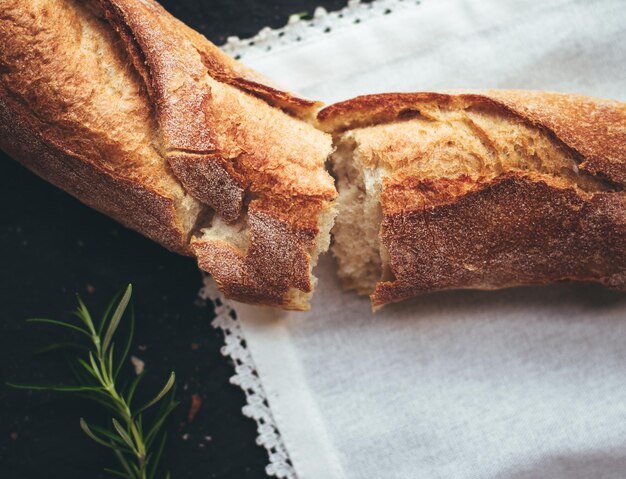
(516, 384)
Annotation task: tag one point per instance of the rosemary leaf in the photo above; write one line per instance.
(117, 316)
(54, 387)
(129, 338)
(59, 346)
(87, 368)
(108, 434)
(163, 392)
(107, 312)
(95, 367)
(59, 323)
(84, 316)
(123, 434)
(85, 427)
(110, 369)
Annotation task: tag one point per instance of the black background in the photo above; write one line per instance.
(52, 246)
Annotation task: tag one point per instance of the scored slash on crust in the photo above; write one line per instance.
(211, 112)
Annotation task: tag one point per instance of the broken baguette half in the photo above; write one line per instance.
(142, 118)
(484, 190)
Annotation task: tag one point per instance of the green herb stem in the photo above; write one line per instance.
(126, 437)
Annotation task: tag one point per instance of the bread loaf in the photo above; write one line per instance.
(478, 190)
(142, 118)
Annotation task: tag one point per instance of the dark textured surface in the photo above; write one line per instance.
(51, 246)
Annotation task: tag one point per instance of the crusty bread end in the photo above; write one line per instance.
(478, 190)
(142, 118)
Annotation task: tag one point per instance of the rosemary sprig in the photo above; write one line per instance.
(137, 446)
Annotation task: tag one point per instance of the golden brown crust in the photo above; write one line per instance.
(227, 70)
(487, 229)
(374, 109)
(298, 106)
(118, 103)
(136, 206)
(74, 113)
(595, 128)
(233, 147)
(176, 79)
(506, 231)
(186, 76)
(275, 268)
(172, 70)
(211, 181)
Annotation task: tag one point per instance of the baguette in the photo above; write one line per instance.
(477, 190)
(145, 120)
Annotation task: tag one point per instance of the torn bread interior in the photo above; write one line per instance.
(477, 190)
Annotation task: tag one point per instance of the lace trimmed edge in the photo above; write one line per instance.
(247, 378)
(300, 29)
